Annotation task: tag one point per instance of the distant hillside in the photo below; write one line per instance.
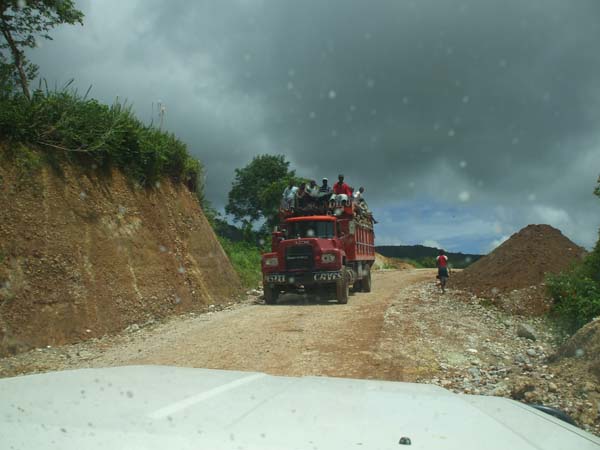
(420, 252)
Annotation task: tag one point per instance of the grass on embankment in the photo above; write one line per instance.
(245, 258)
(66, 126)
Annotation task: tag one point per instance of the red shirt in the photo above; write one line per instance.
(442, 261)
(342, 189)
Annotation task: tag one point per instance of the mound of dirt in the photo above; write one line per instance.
(383, 262)
(582, 350)
(518, 267)
(83, 254)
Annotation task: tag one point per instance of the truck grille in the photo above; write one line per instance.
(299, 257)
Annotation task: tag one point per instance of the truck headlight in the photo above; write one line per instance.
(271, 262)
(328, 258)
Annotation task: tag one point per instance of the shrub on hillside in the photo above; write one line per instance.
(83, 129)
(576, 293)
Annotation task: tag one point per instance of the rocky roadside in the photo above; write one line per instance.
(84, 354)
(489, 352)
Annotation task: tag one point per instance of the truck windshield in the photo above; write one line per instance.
(310, 229)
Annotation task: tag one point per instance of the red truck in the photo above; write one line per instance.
(320, 251)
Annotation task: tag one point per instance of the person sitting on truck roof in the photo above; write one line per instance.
(302, 196)
(324, 189)
(342, 193)
(324, 192)
(313, 189)
(358, 195)
(289, 195)
(340, 187)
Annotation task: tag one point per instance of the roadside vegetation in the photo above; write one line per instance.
(576, 292)
(245, 258)
(63, 125)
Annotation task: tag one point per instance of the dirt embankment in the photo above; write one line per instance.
(82, 255)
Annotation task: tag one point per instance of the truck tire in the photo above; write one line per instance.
(271, 295)
(342, 290)
(366, 282)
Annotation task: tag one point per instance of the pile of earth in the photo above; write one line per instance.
(383, 262)
(581, 352)
(513, 274)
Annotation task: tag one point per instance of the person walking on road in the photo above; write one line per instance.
(442, 265)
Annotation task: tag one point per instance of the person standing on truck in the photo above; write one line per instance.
(442, 265)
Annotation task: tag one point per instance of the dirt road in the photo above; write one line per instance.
(299, 336)
(405, 330)
(392, 333)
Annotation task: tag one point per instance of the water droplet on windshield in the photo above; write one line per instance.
(579, 352)
(290, 86)
(466, 99)
(532, 197)
(312, 115)
(181, 269)
(462, 164)
(310, 232)
(370, 83)
(451, 133)
(464, 196)
(332, 94)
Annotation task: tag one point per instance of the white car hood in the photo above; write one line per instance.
(157, 407)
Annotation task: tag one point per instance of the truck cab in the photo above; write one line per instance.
(319, 253)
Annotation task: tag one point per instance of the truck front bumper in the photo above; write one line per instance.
(302, 278)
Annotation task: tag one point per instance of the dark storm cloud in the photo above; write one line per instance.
(481, 101)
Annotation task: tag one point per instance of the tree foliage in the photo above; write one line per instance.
(256, 190)
(21, 23)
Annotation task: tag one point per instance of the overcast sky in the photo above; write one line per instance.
(464, 120)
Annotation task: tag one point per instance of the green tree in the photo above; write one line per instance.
(256, 190)
(21, 22)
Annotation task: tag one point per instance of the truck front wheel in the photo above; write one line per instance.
(271, 295)
(342, 290)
